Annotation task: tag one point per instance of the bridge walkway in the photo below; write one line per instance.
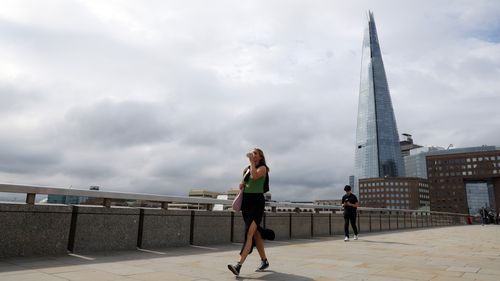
(470, 252)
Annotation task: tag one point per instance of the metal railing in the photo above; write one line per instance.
(164, 200)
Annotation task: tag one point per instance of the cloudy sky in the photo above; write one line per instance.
(167, 96)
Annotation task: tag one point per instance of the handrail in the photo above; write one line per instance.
(15, 188)
(31, 191)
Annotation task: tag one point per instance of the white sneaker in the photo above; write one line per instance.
(346, 239)
(355, 237)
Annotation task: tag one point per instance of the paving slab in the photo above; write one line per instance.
(470, 252)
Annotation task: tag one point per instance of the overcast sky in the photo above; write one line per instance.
(166, 96)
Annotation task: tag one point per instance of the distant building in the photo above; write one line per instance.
(462, 180)
(233, 192)
(329, 202)
(70, 200)
(407, 145)
(203, 193)
(394, 193)
(64, 199)
(351, 181)
(415, 162)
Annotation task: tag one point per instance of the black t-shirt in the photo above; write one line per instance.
(351, 198)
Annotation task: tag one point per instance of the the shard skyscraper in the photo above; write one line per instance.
(378, 152)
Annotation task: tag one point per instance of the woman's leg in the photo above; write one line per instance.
(248, 243)
(259, 243)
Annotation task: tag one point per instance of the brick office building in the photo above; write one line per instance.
(464, 180)
(394, 193)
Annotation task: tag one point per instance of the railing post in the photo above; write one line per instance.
(358, 220)
(397, 220)
(140, 229)
(232, 226)
(370, 220)
(164, 205)
(380, 220)
(312, 224)
(389, 219)
(72, 228)
(191, 229)
(330, 223)
(30, 198)
(106, 202)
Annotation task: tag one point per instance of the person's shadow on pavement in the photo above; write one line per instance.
(273, 275)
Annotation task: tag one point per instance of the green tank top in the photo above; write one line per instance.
(254, 186)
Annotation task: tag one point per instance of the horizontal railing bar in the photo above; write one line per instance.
(14, 188)
(28, 189)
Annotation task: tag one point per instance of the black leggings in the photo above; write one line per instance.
(352, 218)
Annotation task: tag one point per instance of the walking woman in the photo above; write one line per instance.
(252, 209)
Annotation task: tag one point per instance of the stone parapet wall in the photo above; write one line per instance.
(42, 230)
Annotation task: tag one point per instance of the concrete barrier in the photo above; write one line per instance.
(280, 224)
(301, 225)
(375, 222)
(321, 225)
(413, 219)
(211, 228)
(164, 228)
(239, 227)
(34, 230)
(364, 222)
(384, 222)
(98, 228)
(338, 224)
(401, 220)
(30, 230)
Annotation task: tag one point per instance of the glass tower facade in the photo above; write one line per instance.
(378, 151)
(479, 194)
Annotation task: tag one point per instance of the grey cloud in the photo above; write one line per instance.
(119, 123)
(27, 158)
(168, 97)
(17, 98)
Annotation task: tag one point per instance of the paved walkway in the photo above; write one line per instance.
(449, 253)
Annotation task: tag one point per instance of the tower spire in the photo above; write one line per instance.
(378, 152)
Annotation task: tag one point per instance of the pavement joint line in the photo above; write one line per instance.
(81, 257)
(204, 247)
(305, 239)
(150, 251)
